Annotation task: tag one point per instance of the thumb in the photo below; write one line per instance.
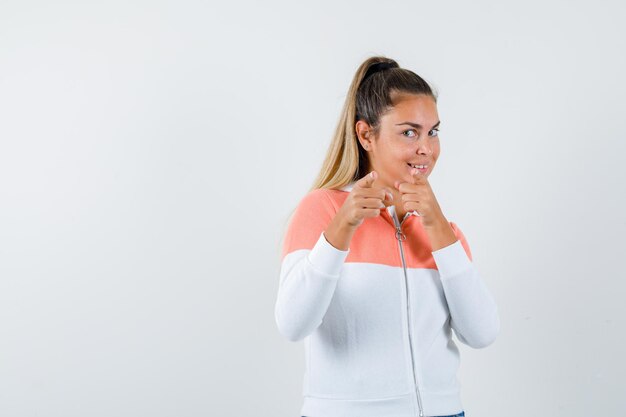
(368, 180)
(388, 195)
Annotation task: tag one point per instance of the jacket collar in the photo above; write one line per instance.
(348, 187)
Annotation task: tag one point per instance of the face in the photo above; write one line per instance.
(408, 135)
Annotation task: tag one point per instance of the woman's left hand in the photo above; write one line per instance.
(419, 196)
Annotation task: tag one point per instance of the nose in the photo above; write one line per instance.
(423, 147)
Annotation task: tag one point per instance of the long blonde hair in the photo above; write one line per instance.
(372, 90)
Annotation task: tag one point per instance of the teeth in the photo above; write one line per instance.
(419, 166)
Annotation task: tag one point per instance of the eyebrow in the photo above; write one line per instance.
(416, 125)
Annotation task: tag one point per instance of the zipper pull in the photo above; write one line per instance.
(399, 235)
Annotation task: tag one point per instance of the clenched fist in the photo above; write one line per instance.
(364, 201)
(419, 196)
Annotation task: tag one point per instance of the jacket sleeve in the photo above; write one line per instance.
(310, 268)
(473, 310)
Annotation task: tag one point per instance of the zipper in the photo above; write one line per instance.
(401, 236)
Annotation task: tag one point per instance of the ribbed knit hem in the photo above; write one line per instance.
(403, 406)
(326, 258)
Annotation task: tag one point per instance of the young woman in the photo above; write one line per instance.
(373, 276)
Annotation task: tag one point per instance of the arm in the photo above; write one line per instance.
(308, 279)
(310, 267)
(473, 310)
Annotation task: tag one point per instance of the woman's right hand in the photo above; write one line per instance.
(364, 201)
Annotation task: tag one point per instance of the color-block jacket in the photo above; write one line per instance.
(376, 319)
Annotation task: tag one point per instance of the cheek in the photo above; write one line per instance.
(406, 155)
(436, 150)
(395, 154)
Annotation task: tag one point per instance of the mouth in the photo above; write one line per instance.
(420, 168)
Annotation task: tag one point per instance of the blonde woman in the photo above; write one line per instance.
(373, 276)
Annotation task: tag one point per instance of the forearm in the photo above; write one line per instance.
(441, 234)
(339, 234)
(307, 283)
(473, 310)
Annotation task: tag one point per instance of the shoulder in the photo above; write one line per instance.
(321, 201)
(314, 212)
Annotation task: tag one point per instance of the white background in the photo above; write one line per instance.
(151, 152)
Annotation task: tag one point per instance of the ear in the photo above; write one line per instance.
(362, 130)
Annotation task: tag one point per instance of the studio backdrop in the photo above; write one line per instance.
(151, 154)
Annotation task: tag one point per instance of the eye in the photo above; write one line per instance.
(415, 133)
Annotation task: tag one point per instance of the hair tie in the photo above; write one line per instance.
(378, 67)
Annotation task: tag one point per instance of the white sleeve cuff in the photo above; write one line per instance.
(452, 260)
(326, 258)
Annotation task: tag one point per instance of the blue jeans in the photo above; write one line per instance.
(461, 414)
